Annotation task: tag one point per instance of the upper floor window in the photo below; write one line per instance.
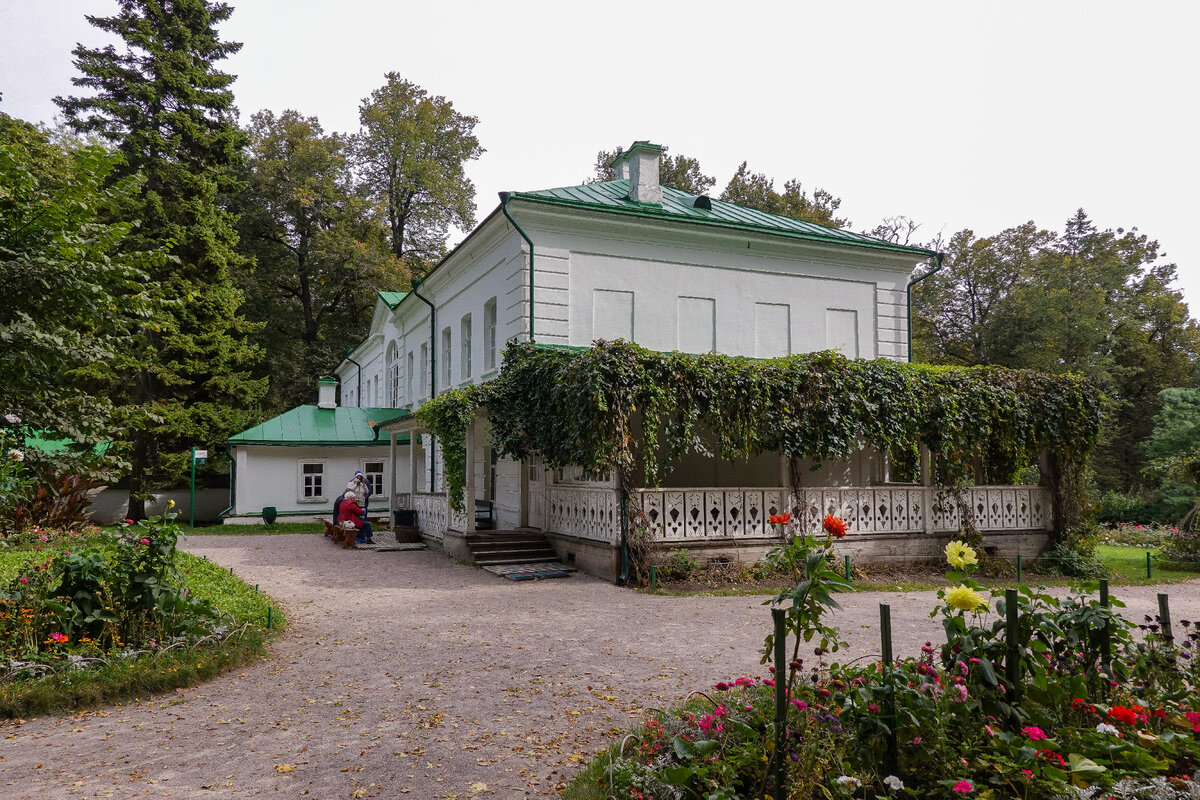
(425, 370)
(447, 373)
(464, 344)
(489, 335)
(393, 376)
(409, 377)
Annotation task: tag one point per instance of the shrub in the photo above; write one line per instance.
(1183, 544)
(679, 566)
(1072, 561)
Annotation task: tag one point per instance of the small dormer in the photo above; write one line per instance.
(639, 165)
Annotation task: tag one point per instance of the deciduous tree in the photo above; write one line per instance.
(320, 250)
(756, 190)
(411, 155)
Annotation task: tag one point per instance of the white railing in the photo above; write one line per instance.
(585, 513)
(432, 513)
(681, 514)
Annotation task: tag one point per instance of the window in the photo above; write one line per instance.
(373, 472)
(464, 344)
(424, 370)
(393, 372)
(489, 335)
(447, 374)
(312, 482)
(409, 378)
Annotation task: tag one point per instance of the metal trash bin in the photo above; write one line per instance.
(270, 514)
(404, 516)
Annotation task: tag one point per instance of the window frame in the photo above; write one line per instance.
(464, 347)
(489, 335)
(381, 474)
(301, 475)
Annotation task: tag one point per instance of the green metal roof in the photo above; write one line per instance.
(309, 425)
(57, 447)
(678, 205)
(392, 298)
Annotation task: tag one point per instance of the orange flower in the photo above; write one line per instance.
(837, 527)
(779, 519)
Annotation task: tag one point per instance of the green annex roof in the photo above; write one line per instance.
(680, 206)
(58, 447)
(392, 298)
(309, 425)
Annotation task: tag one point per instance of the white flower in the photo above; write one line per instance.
(16, 455)
(848, 782)
(12, 419)
(893, 783)
(1104, 727)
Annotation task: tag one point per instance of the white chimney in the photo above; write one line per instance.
(326, 392)
(639, 164)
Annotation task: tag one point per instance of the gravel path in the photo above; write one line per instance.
(405, 673)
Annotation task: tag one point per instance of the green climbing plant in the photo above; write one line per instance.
(618, 406)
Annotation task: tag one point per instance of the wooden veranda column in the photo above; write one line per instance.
(413, 438)
(469, 478)
(927, 482)
(394, 466)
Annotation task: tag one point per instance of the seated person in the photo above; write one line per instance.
(350, 511)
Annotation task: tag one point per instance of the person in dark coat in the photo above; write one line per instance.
(350, 511)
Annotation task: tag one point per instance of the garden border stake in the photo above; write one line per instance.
(1149, 571)
(269, 614)
(1012, 633)
(847, 569)
(654, 577)
(1020, 559)
(781, 683)
(885, 643)
(1164, 618)
(1105, 632)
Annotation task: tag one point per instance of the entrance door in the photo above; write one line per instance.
(537, 492)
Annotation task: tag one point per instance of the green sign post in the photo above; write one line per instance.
(198, 457)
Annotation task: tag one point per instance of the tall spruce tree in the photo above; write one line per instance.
(170, 114)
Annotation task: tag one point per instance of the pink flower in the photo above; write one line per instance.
(988, 730)
(1028, 773)
(24, 579)
(145, 541)
(128, 520)
(962, 692)
(58, 637)
(963, 786)
(1034, 733)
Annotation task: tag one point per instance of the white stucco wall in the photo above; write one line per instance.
(270, 476)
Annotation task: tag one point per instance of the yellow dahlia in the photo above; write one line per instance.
(960, 555)
(965, 598)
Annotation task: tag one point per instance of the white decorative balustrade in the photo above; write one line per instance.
(432, 513)
(682, 514)
(585, 513)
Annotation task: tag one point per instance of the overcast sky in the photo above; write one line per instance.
(957, 114)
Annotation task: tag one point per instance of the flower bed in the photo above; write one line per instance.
(125, 607)
(1074, 704)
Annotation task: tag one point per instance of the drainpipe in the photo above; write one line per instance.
(504, 198)
(908, 295)
(232, 481)
(357, 397)
(432, 367)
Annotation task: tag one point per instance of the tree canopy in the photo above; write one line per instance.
(678, 171)
(73, 294)
(320, 250)
(170, 115)
(412, 154)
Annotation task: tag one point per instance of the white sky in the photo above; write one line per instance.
(957, 114)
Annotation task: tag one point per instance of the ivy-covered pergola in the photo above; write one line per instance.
(617, 407)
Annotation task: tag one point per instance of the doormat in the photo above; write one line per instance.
(530, 572)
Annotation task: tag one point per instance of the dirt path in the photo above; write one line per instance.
(405, 673)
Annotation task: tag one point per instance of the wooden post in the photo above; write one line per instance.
(781, 683)
(547, 490)
(393, 466)
(889, 709)
(413, 439)
(469, 478)
(927, 492)
(1106, 634)
(1012, 657)
(1164, 619)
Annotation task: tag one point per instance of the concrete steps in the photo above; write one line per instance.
(513, 549)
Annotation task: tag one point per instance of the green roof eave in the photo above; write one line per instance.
(659, 213)
(308, 425)
(392, 299)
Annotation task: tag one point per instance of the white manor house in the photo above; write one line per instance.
(657, 266)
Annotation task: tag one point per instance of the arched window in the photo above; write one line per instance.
(393, 376)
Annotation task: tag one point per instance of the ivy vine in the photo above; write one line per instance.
(618, 406)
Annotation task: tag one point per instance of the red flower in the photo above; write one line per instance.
(1129, 716)
(779, 519)
(836, 527)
